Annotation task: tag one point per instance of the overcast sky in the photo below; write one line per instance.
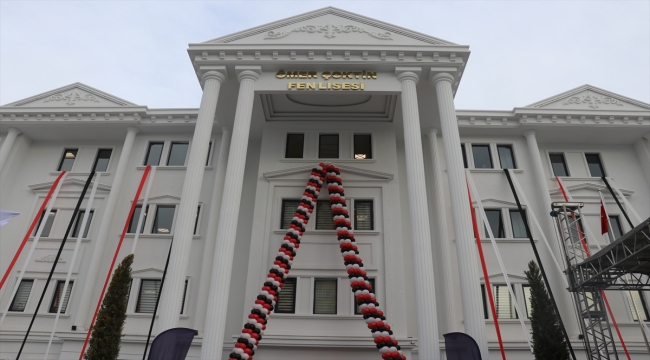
(522, 51)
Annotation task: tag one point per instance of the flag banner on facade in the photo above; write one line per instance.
(460, 346)
(604, 221)
(172, 344)
(6, 216)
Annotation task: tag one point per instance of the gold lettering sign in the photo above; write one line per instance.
(346, 79)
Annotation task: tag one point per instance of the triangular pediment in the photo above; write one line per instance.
(150, 272)
(587, 190)
(69, 185)
(500, 279)
(589, 97)
(163, 199)
(329, 26)
(496, 203)
(75, 95)
(348, 173)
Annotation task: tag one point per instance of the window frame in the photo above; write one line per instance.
(110, 158)
(295, 296)
(140, 289)
(463, 153)
(524, 219)
(11, 304)
(286, 145)
(512, 153)
(490, 155)
(564, 162)
(155, 217)
(336, 295)
(517, 289)
(62, 158)
(619, 223)
(644, 306)
(77, 223)
(282, 212)
(38, 225)
(148, 223)
(371, 148)
(600, 163)
(338, 151)
(353, 216)
(63, 300)
(503, 225)
(171, 147)
(317, 215)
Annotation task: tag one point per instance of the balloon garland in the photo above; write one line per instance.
(364, 297)
(361, 288)
(264, 304)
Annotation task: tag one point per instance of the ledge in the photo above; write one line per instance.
(158, 168)
(508, 240)
(338, 161)
(56, 173)
(330, 232)
(494, 171)
(30, 314)
(154, 236)
(58, 239)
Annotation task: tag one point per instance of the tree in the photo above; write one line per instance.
(548, 339)
(107, 332)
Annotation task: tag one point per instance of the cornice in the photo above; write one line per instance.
(553, 117)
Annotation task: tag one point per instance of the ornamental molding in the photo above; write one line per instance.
(593, 100)
(50, 259)
(329, 31)
(71, 98)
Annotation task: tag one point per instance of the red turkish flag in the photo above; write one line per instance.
(604, 223)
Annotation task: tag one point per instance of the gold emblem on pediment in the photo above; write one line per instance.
(329, 31)
(72, 97)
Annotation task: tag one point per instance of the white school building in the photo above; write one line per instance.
(328, 86)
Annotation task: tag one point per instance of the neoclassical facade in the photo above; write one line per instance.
(327, 86)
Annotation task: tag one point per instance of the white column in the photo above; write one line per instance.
(7, 145)
(171, 296)
(470, 286)
(211, 234)
(441, 233)
(217, 311)
(642, 147)
(561, 295)
(425, 290)
(88, 285)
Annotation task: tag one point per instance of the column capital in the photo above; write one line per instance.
(441, 76)
(132, 129)
(248, 72)
(13, 130)
(225, 129)
(647, 136)
(530, 133)
(408, 73)
(218, 75)
(432, 132)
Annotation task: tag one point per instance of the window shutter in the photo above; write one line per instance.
(325, 296)
(148, 295)
(529, 305)
(328, 147)
(56, 301)
(289, 208)
(286, 303)
(636, 301)
(504, 304)
(324, 219)
(363, 215)
(22, 295)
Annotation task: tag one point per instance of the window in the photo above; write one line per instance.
(637, 305)
(69, 156)
(154, 153)
(295, 145)
(48, 223)
(56, 300)
(162, 223)
(616, 228)
(482, 156)
(102, 159)
(325, 296)
(504, 306)
(576, 228)
(559, 164)
(135, 217)
(79, 220)
(286, 303)
(289, 208)
(529, 305)
(362, 146)
(506, 157)
(518, 227)
(148, 295)
(22, 295)
(184, 294)
(196, 220)
(324, 218)
(177, 154)
(357, 311)
(485, 302)
(328, 147)
(363, 215)
(595, 166)
(462, 149)
(496, 223)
